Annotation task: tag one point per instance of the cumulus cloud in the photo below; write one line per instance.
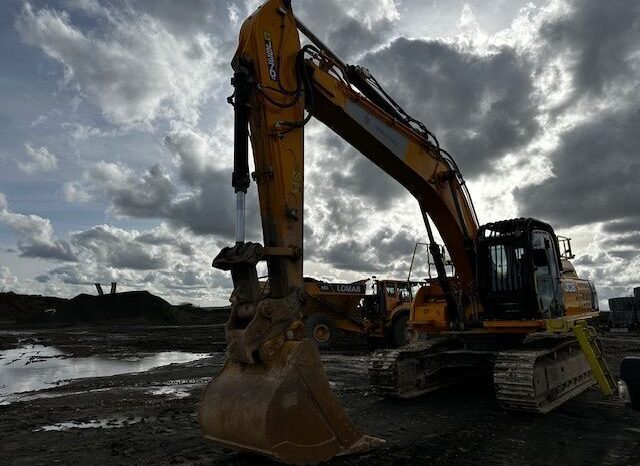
(144, 195)
(621, 226)
(615, 272)
(595, 174)
(8, 281)
(595, 162)
(197, 15)
(352, 173)
(117, 248)
(39, 159)
(480, 106)
(349, 37)
(566, 71)
(164, 260)
(131, 67)
(350, 28)
(387, 250)
(35, 235)
(168, 261)
(327, 17)
(196, 154)
(201, 199)
(599, 41)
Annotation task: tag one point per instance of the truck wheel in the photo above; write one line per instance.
(322, 330)
(401, 333)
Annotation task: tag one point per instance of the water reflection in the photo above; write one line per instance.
(35, 367)
(171, 392)
(115, 423)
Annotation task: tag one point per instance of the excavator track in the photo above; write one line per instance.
(541, 375)
(537, 376)
(424, 367)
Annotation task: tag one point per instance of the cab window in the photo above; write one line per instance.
(391, 289)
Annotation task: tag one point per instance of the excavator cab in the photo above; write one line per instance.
(519, 270)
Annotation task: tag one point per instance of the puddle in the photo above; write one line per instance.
(170, 392)
(92, 424)
(178, 388)
(34, 367)
(8, 399)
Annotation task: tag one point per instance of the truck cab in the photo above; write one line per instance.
(387, 311)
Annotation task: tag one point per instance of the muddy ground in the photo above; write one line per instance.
(158, 411)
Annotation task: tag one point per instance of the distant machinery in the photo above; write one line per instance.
(101, 293)
(625, 312)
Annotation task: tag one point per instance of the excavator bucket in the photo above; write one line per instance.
(283, 409)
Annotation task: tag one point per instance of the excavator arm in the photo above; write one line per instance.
(273, 397)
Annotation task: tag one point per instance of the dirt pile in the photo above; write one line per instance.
(128, 308)
(27, 308)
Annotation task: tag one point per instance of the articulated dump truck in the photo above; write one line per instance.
(381, 316)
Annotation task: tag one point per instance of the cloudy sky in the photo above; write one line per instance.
(116, 141)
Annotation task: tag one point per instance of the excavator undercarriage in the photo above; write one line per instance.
(536, 373)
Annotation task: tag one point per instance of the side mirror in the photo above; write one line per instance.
(629, 385)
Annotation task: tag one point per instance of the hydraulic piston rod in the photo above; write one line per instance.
(240, 213)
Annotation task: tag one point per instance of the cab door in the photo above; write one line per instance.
(546, 274)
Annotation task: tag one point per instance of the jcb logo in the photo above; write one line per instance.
(271, 59)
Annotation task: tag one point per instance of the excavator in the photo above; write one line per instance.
(512, 307)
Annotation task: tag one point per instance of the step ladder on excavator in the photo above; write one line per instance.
(591, 347)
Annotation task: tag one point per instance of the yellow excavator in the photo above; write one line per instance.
(509, 308)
